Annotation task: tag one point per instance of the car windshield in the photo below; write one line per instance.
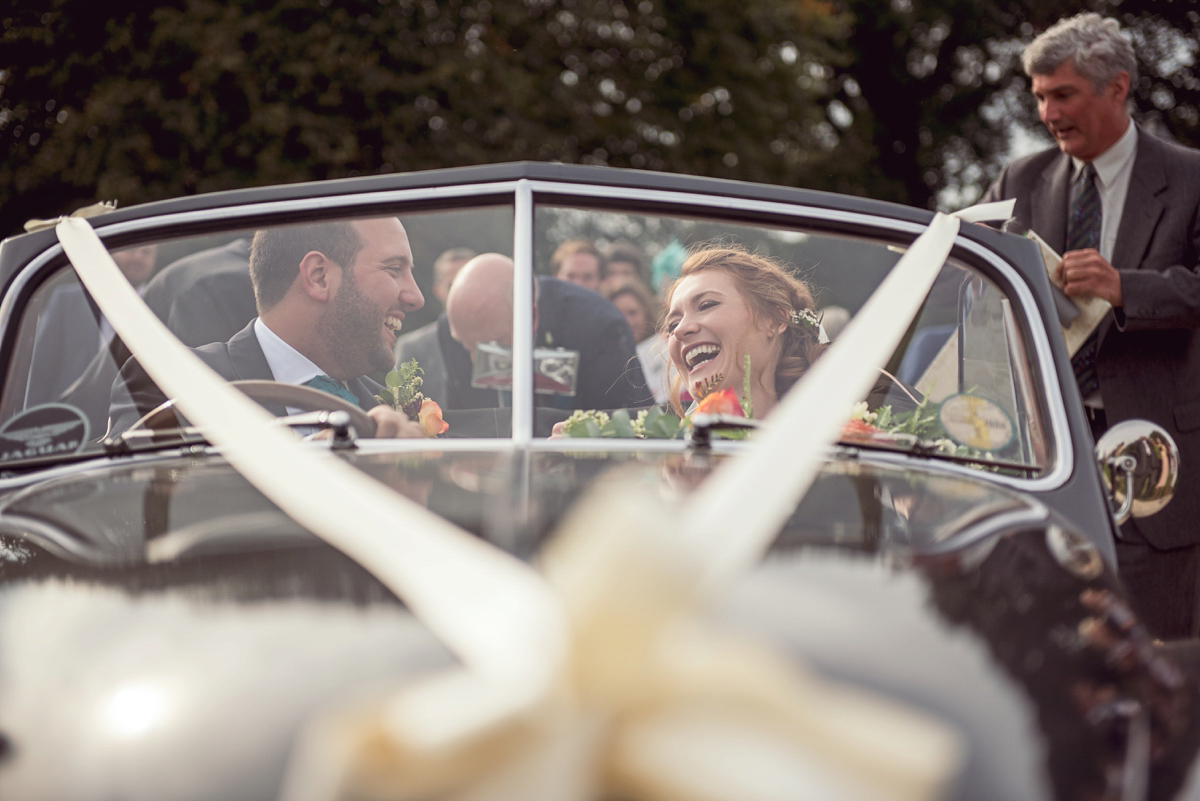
(380, 300)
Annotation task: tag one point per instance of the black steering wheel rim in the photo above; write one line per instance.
(270, 392)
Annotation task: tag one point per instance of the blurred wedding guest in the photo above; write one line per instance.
(833, 320)
(422, 344)
(71, 331)
(624, 260)
(577, 261)
(480, 310)
(446, 267)
(205, 296)
(665, 267)
(642, 311)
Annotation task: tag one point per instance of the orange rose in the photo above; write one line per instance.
(723, 402)
(430, 418)
(857, 430)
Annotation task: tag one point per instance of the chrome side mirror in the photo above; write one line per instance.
(1140, 466)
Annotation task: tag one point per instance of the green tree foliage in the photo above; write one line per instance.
(1166, 37)
(919, 86)
(142, 101)
(932, 89)
(908, 100)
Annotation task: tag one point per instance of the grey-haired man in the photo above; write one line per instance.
(1123, 207)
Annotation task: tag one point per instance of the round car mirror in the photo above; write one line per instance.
(1140, 466)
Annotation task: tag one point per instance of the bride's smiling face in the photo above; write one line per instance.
(712, 327)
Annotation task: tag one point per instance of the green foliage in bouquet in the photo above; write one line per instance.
(404, 389)
(922, 422)
(652, 423)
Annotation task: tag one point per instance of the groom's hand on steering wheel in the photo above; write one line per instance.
(390, 423)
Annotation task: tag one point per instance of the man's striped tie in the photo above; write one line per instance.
(1083, 231)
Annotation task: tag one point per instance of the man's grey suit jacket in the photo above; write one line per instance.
(1149, 358)
(422, 345)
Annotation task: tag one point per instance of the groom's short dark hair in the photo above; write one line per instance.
(276, 253)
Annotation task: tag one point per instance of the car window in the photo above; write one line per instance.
(960, 384)
(201, 287)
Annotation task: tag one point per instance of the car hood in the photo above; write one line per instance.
(182, 630)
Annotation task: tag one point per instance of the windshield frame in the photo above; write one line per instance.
(524, 195)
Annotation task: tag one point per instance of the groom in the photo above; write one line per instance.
(330, 297)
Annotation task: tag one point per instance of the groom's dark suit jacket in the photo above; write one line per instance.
(241, 358)
(1149, 358)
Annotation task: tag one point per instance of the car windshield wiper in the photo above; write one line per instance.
(911, 445)
(146, 440)
(143, 440)
(33, 463)
(706, 425)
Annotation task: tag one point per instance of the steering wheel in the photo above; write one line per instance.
(264, 392)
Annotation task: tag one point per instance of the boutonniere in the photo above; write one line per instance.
(405, 396)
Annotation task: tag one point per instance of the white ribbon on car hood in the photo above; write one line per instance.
(602, 678)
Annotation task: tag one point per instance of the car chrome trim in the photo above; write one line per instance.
(1035, 514)
(1061, 466)
(435, 446)
(1052, 392)
(522, 333)
(193, 450)
(22, 278)
(100, 460)
(269, 527)
(895, 458)
(614, 445)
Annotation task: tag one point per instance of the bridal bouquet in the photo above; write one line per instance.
(656, 423)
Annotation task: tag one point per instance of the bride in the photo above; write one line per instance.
(728, 304)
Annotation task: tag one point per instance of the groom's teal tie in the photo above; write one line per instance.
(327, 384)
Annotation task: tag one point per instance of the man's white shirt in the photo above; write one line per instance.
(288, 365)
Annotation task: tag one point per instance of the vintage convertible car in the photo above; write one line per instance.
(204, 605)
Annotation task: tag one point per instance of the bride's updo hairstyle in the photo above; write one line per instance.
(773, 294)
